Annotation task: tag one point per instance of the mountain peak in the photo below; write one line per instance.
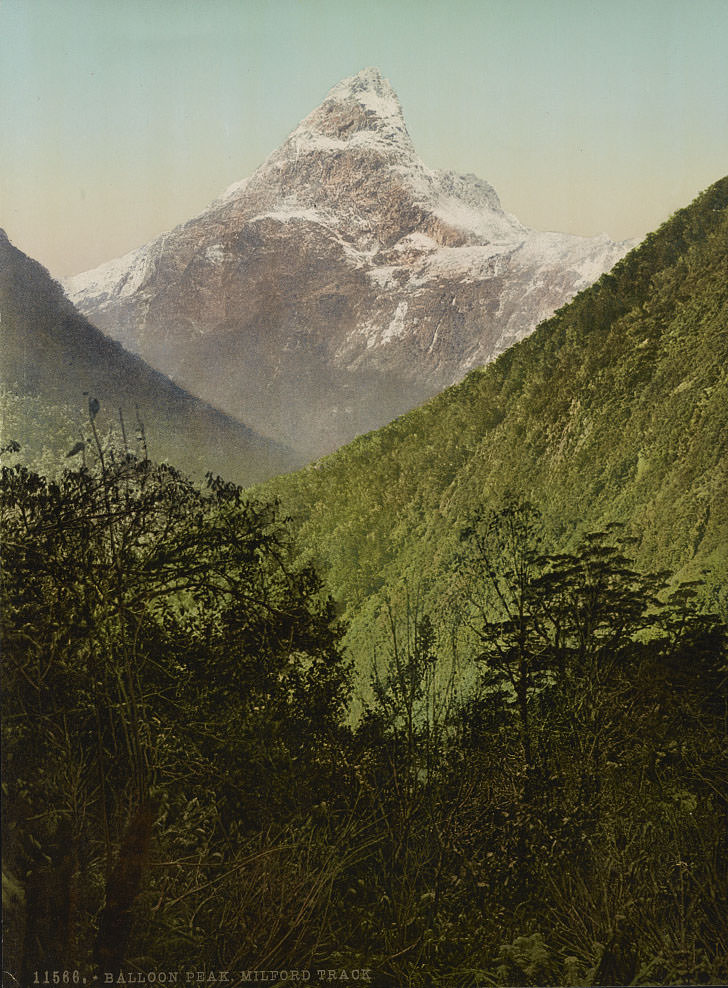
(368, 87)
(369, 91)
(360, 109)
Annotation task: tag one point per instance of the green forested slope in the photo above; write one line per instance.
(615, 409)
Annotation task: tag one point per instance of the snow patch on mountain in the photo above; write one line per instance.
(120, 277)
(385, 276)
(233, 191)
(372, 90)
(396, 327)
(215, 253)
(468, 264)
(587, 257)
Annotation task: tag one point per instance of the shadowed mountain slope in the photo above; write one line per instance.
(52, 360)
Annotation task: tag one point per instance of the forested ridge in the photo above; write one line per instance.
(615, 409)
(449, 707)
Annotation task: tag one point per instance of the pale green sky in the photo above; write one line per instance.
(121, 118)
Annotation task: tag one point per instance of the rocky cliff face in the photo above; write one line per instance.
(341, 284)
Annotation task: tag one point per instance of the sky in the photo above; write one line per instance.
(119, 120)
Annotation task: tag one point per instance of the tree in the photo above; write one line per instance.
(159, 640)
(500, 565)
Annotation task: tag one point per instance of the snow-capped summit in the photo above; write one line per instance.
(356, 110)
(351, 156)
(341, 283)
(371, 89)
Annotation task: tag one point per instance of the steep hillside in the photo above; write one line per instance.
(52, 360)
(614, 409)
(340, 285)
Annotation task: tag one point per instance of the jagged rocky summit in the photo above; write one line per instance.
(341, 284)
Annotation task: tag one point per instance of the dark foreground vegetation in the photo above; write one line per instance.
(535, 793)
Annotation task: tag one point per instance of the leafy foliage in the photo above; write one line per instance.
(163, 655)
